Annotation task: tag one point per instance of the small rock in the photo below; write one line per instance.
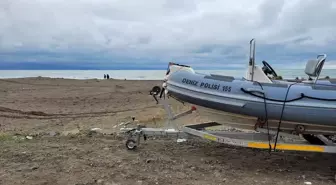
(70, 132)
(148, 160)
(217, 174)
(100, 181)
(308, 183)
(34, 167)
(106, 148)
(29, 137)
(96, 129)
(111, 183)
(139, 182)
(52, 133)
(181, 140)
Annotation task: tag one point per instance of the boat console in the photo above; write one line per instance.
(256, 73)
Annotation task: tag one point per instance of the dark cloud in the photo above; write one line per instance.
(159, 31)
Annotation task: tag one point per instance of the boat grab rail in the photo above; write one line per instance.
(271, 99)
(320, 65)
(255, 90)
(302, 95)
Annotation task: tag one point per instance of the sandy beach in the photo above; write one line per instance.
(57, 114)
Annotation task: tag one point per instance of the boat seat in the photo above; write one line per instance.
(314, 67)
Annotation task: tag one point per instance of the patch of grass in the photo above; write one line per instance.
(4, 137)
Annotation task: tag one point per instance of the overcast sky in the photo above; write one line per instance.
(150, 33)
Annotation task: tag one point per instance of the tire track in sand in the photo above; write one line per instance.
(20, 114)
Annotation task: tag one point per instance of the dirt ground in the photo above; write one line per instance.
(45, 139)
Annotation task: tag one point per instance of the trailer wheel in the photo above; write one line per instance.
(131, 144)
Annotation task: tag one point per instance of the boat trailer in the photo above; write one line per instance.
(260, 138)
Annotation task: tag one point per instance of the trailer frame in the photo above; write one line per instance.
(259, 139)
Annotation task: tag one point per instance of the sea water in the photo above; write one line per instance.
(143, 74)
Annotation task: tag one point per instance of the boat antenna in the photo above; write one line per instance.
(252, 57)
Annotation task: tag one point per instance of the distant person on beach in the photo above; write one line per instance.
(108, 76)
(104, 76)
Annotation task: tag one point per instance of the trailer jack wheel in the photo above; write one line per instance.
(131, 144)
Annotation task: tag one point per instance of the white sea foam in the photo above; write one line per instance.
(141, 74)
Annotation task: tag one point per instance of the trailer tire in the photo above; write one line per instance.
(131, 144)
